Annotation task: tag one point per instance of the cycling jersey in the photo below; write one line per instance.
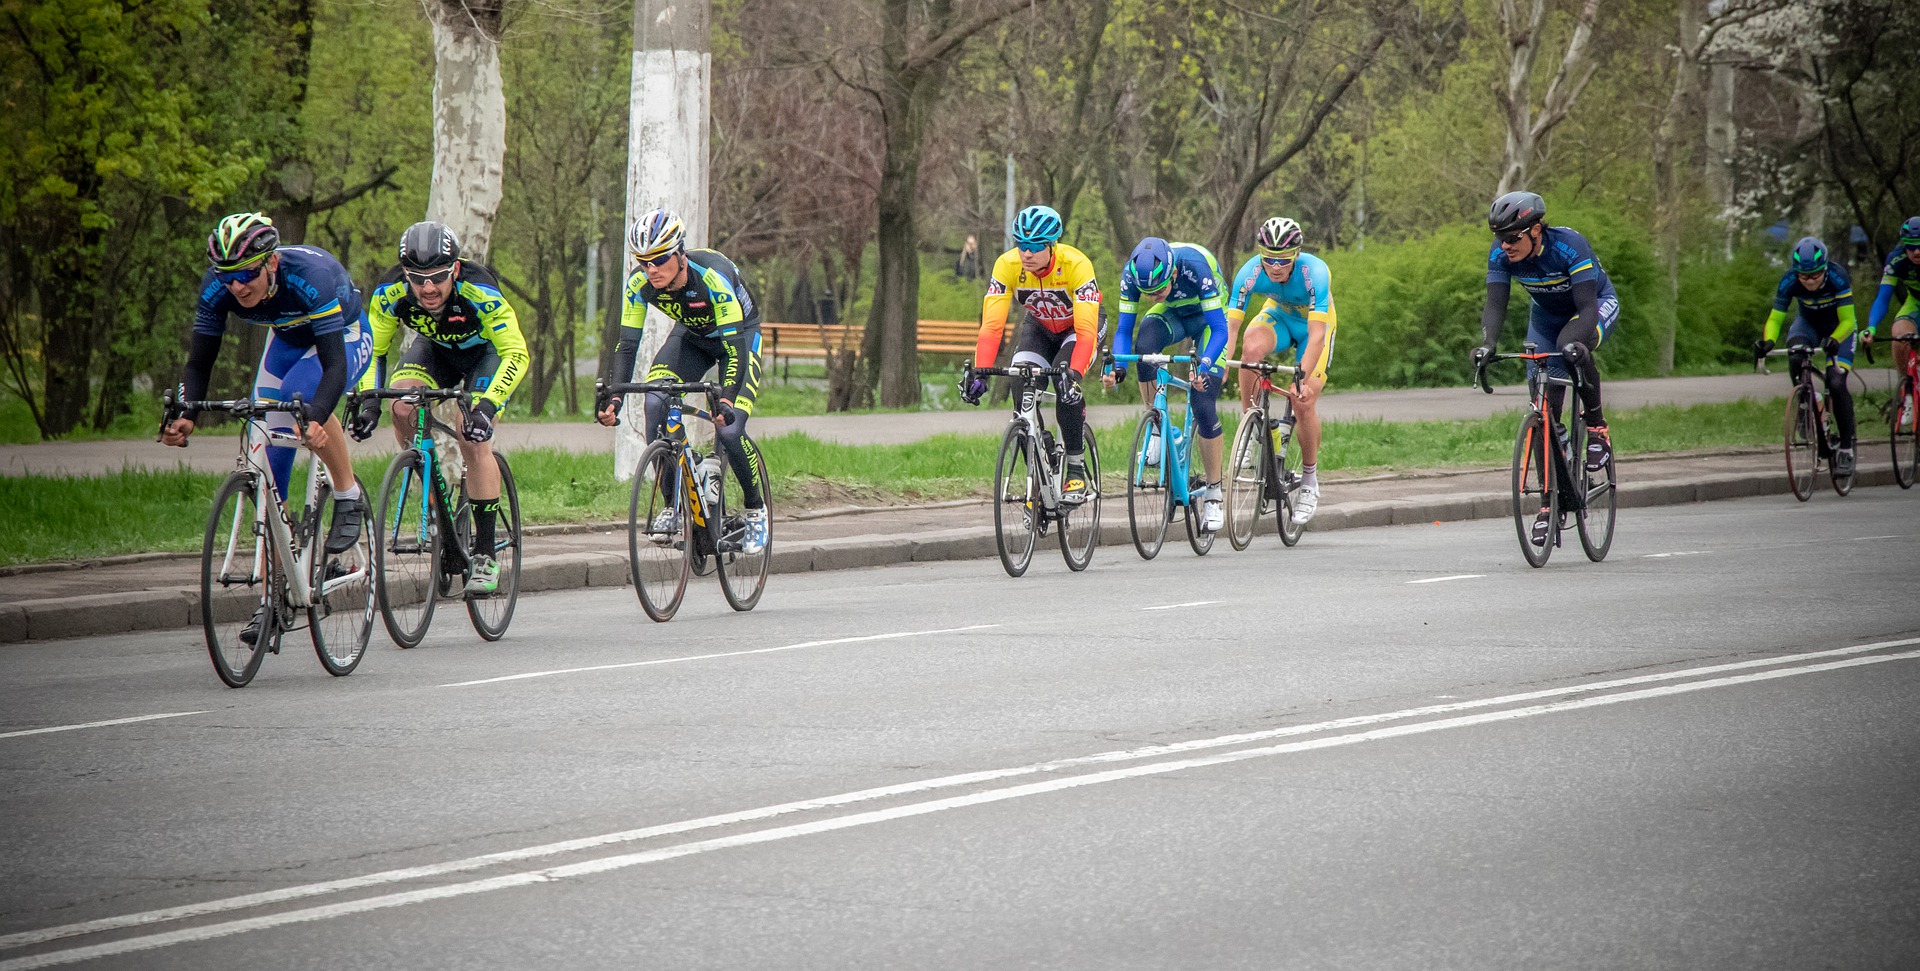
(1899, 281)
(1828, 310)
(1197, 292)
(311, 299)
(1306, 297)
(1064, 298)
(1565, 258)
(713, 306)
(475, 315)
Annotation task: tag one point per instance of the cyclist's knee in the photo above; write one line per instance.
(1836, 378)
(1206, 414)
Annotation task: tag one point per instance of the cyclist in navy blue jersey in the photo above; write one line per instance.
(1826, 319)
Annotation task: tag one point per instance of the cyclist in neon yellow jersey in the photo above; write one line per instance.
(1297, 293)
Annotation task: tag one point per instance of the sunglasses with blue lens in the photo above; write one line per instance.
(1031, 247)
(1277, 262)
(657, 261)
(247, 275)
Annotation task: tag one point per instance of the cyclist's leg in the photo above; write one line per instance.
(732, 438)
(1151, 335)
(1577, 341)
(286, 371)
(1839, 395)
(476, 368)
(1543, 331)
(419, 367)
(1799, 334)
(675, 362)
(1257, 340)
(1905, 326)
(1204, 402)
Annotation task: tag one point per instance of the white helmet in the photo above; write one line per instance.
(1278, 236)
(656, 234)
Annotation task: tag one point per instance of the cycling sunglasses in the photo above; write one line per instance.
(247, 275)
(1511, 238)
(657, 261)
(1277, 262)
(435, 278)
(1031, 247)
(1910, 245)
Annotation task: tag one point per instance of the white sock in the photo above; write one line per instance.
(353, 493)
(1213, 490)
(1310, 476)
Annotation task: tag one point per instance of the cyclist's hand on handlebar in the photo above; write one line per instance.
(1481, 356)
(479, 424)
(1762, 347)
(366, 418)
(606, 411)
(177, 432)
(972, 387)
(724, 413)
(1866, 337)
(1831, 347)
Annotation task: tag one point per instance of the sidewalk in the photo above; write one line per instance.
(215, 454)
(152, 592)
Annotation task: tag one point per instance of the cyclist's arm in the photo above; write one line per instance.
(203, 348)
(383, 324)
(1782, 299)
(1586, 304)
(502, 328)
(331, 349)
(1848, 321)
(1882, 301)
(1217, 333)
(1493, 316)
(1086, 320)
(1775, 320)
(993, 316)
(633, 322)
(738, 374)
(1123, 328)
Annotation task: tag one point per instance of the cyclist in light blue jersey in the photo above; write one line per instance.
(1297, 292)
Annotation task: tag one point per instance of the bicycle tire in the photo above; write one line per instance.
(743, 576)
(1285, 464)
(1802, 443)
(1247, 478)
(1533, 489)
(341, 608)
(407, 556)
(228, 599)
(1016, 529)
(491, 614)
(1905, 438)
(1199, 539)
(1149, 494)
(658, 563)
(1598, 496)
(1080, 525)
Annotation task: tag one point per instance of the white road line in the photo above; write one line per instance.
(1662, 556)
(710, 657)
(113, 721)
(1457, 576)
(623, 861)
(1190, 603)
(1862, 539)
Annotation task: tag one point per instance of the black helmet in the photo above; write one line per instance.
(1809, 256)
(427, 245)
(1516, 211)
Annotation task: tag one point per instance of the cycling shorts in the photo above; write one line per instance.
(440, 366)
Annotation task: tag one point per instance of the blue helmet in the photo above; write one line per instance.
(1910, 232)
(1809, 255)
(1151, 264)
(1037, 226)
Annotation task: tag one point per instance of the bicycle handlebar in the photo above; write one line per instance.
(173, 407)
(402, 394)
(604, 389)
(1260, 366)
(1021, 371)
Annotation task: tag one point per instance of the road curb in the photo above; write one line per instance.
(178, 607)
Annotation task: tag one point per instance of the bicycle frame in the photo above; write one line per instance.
(675, 430)
(1176, 468)
(1027, 414)
(1815, 389)
(295, 558)
(436, 504)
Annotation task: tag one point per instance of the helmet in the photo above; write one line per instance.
(655, 234)
(1151, 264)
(427, 245)
(1516, 211)
(1809, 255)
(1910, 232)
(1036, 226)
(1278, 236)
(241, 240)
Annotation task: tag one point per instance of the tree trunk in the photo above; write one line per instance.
(893, 325)
(1666, 175)
(469, 120)
(1525, 128)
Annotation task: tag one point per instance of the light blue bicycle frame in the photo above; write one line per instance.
(1176, 463)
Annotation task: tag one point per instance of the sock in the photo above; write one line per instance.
(485, 511)
(1213, 490)
(353, 493)
(1310, 475)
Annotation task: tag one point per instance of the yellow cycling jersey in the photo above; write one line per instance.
(1065, 297)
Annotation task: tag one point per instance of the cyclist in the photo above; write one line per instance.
(716, 322)
(1054, 283)
(317, 344)
(1826, 317)
(1574, 307)
(1296, 293)
(1900, 280)
(470, 338)
(1180, 286)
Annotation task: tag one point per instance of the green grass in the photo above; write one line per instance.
(57, 518)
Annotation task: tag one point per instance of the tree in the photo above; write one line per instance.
(469, 119)
(1525, 126)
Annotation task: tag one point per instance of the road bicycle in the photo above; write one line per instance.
(704, 493)
(1160, 479)
(1903, 414)
(266, 569)
(426, 527)
(1555, 481)
(1264, 473)
(1811, 438)
(1028, 476)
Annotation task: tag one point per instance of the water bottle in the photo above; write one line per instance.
(710, 480)
(1280, 429)
(1055, 451)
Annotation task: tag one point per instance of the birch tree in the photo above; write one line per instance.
(1527, 126)
(469, 120)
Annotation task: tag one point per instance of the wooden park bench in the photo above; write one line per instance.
(788, 341)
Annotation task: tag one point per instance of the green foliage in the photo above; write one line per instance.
(1409, 312)
(1723, 305)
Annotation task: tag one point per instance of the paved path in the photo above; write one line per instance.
(215, 454)
(1371, 751)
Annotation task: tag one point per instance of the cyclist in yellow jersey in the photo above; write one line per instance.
(1056, 290)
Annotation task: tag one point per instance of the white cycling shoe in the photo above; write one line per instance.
(1212, 516)
(1305, 503)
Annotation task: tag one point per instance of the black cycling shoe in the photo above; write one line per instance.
(1843, 462)
(347, 517)
(1542, 526)
(250, 634)
(1599, 448)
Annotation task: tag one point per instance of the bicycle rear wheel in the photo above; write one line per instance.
(1080, 525)
(340, 615)
(1595, 519)
(238, 578)
(1149, 497)
(1802, 443)
(1247, 479)
(1533, 490)
(658, 559)
(1904, 423)
(491, 614)
(1199, 539)
(1016, 502)
(1286, 473)
(743, 576)
(407, 551)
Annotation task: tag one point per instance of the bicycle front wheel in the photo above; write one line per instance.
(340, 614)
(1533, 493)
(1286, 474)
(491, 614)
(1802, 443)
(1080, 525)
(659, 533)
(238, 580)
(1199, 539)
(406, 551)
(1905, 422)
(1247, 479)
(1016, 503)
(743, 575)
(1148, 494)
(1598, 494)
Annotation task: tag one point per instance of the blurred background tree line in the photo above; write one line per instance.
(857, 143)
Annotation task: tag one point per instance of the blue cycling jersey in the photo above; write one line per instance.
(1308, 290)
(1196, 291)
(1825, 307)
(1565, 258)
(312, 295)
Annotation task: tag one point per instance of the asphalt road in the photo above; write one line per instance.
(1701, 753)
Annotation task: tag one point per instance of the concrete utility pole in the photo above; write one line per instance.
(666, 159)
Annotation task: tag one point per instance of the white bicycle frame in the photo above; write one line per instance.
(295, 563)
(1029, 413)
